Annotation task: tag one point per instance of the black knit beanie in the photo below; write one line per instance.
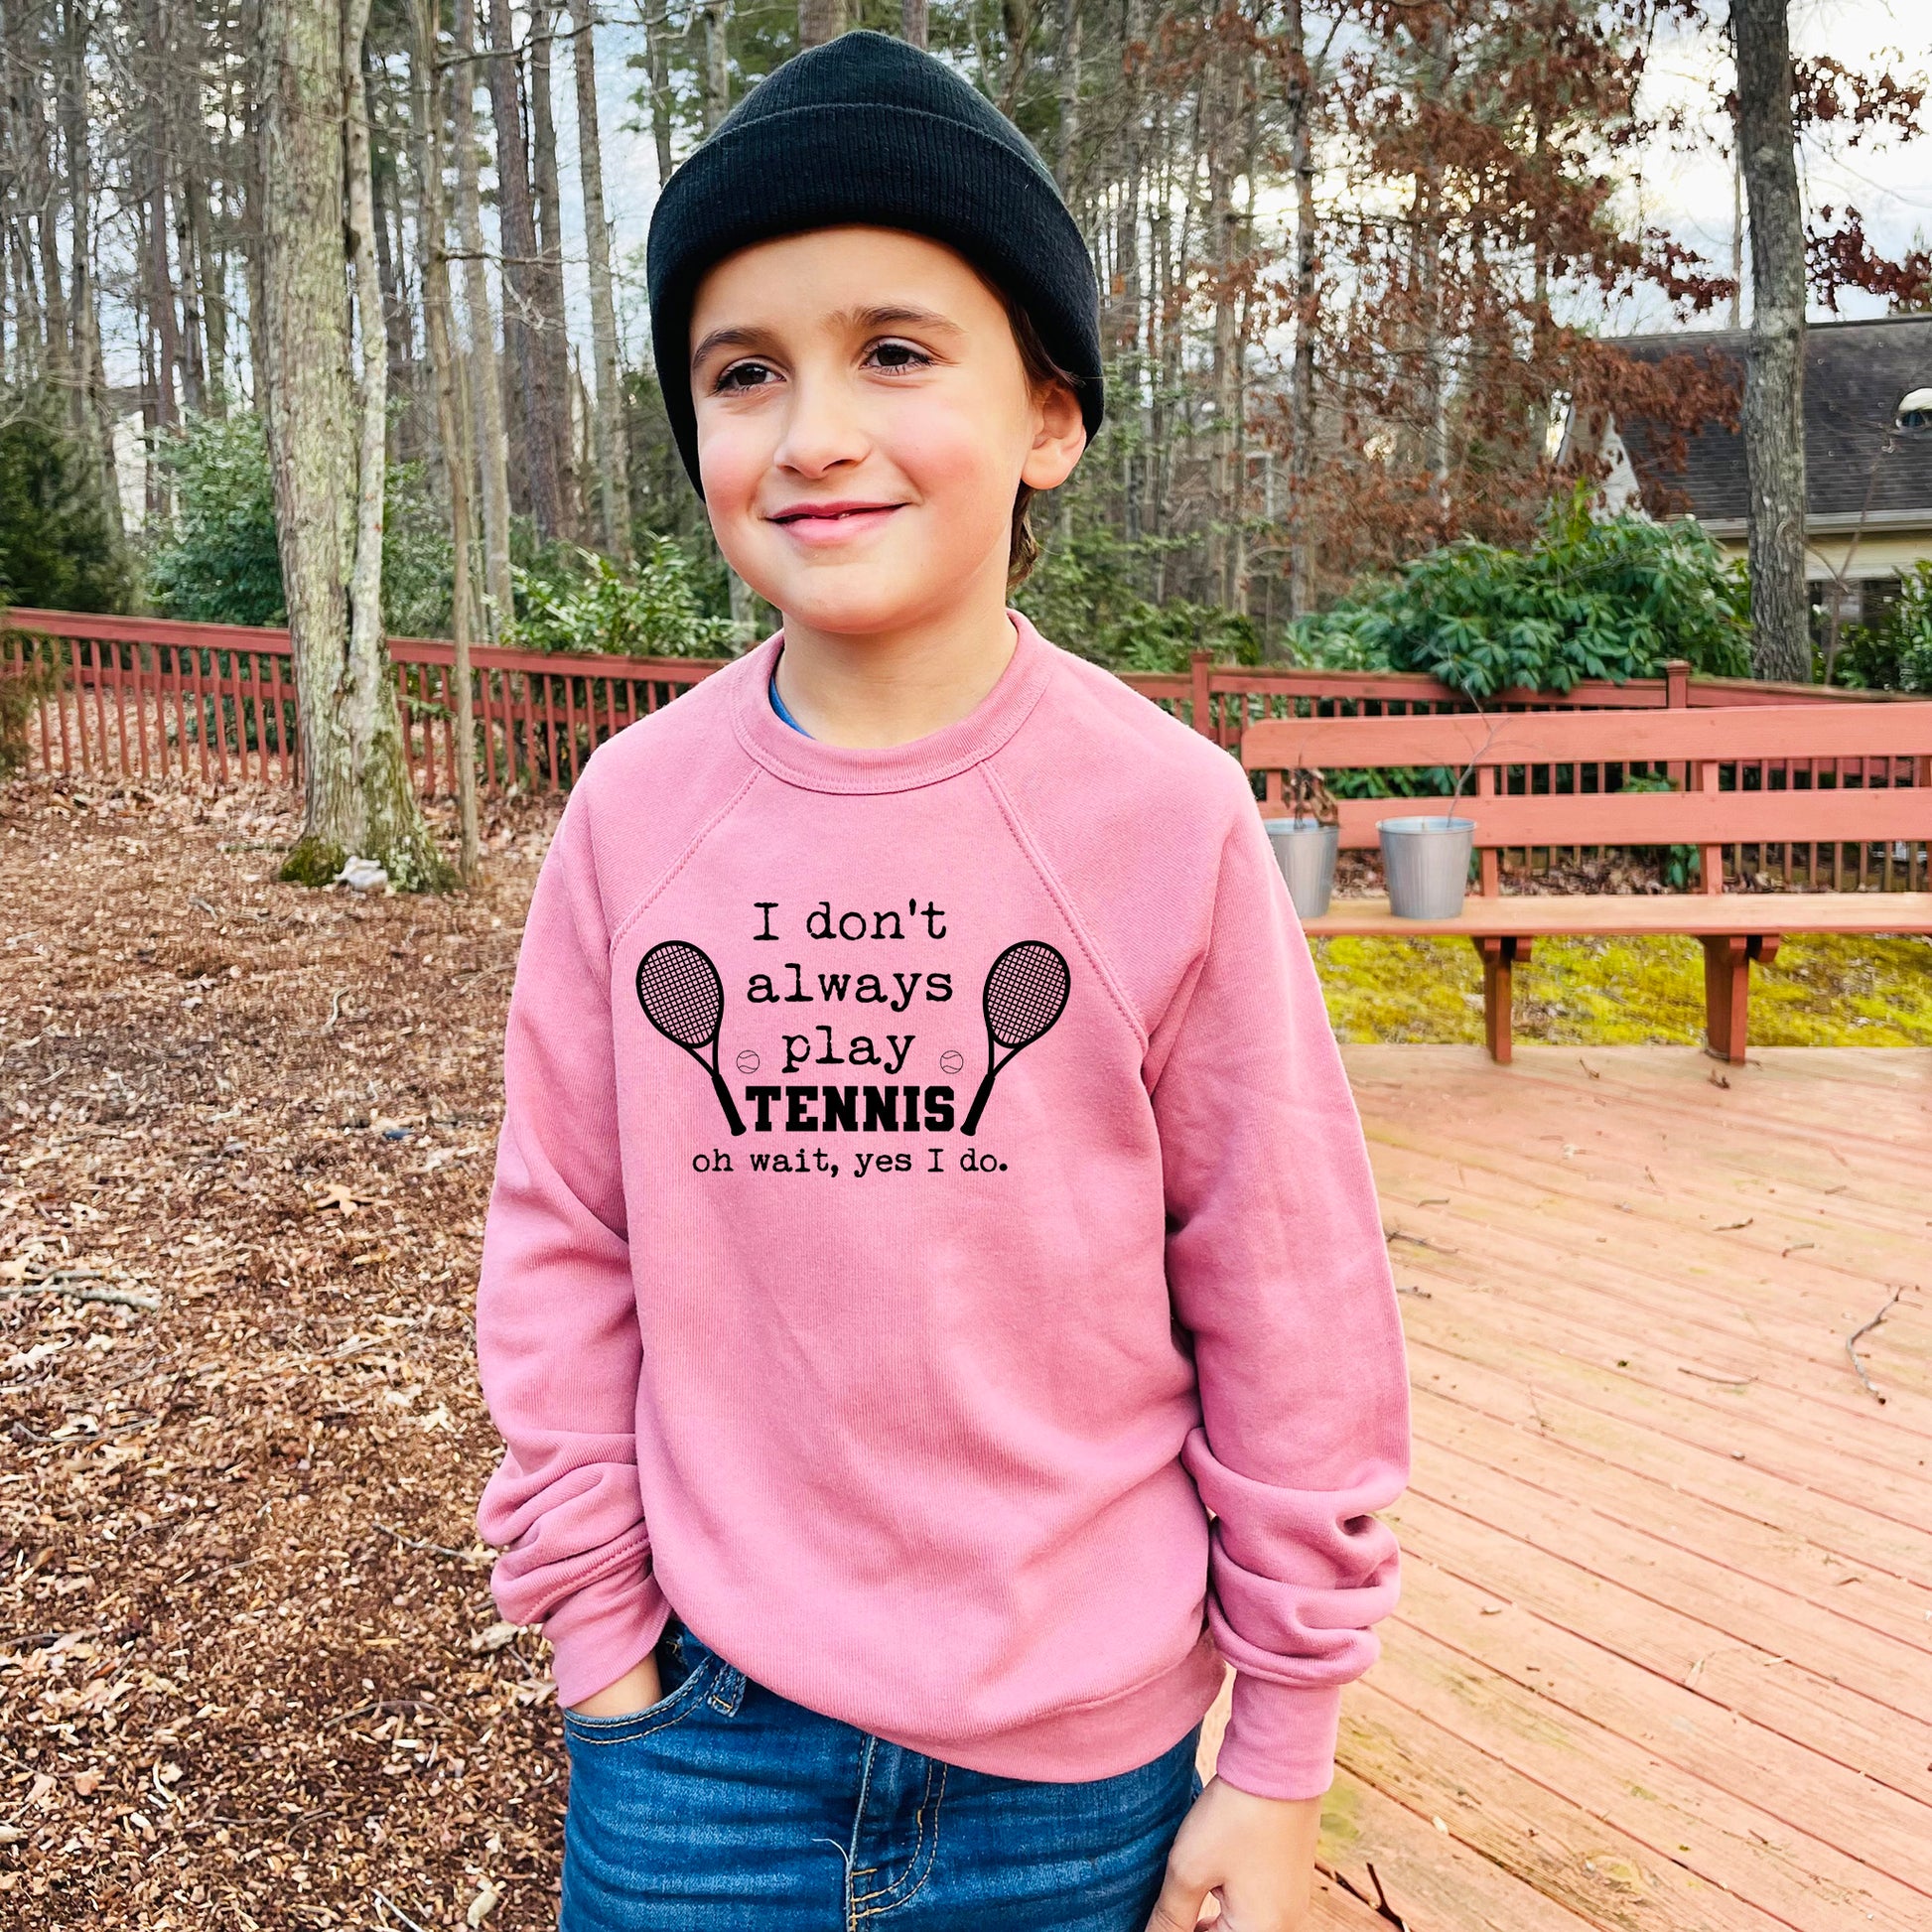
(869, 130)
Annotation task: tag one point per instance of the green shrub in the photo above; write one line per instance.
(1610, 598)
(218, 562)
(418, 558)
(573, 600)
(1894, 654)
(1083, 595)
(58, 547)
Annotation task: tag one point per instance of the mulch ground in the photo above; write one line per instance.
(250, 1673)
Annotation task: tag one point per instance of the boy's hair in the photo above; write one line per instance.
(1023, 552)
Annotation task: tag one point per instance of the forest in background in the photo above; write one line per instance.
(1350, 256)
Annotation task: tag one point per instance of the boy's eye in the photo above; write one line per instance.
(745, 375)
(898, 355)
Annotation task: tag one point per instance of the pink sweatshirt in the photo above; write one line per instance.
(914, 1391)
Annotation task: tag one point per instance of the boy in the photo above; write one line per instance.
(928, 1185)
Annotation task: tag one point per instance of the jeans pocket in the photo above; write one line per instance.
(692, 1672)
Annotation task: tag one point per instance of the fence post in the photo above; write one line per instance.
(1204, 701)
(1677, 697)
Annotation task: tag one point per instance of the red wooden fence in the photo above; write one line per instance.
(136, 697)
(149, 695)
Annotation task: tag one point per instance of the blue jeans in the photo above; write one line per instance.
(725, 1807)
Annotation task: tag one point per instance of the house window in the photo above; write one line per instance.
(1850, 599)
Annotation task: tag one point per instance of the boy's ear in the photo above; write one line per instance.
(1059, 438)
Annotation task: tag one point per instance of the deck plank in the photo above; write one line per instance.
(1724, 1370)
(1720, 1667)
(1776, 1450)
(1660, 1658)
(1763, 1590)
(1603, 1679)
(1800, 1361)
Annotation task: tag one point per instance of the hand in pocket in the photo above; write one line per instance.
(636, 1690)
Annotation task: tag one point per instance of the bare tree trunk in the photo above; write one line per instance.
(399, 345)
(358, 795)
(161, 292)
(91, 377)
(717, 66)
(657, 67)
(1774, 366)
(1127, 290)
(252, 196)
(1068, 79)
(819, 21)
(452, 410)
(912, 22)
(1220, 118)
(180, 84)
(1736, 227)
(1162, 359)
(553, 327)
(523, 284)
(486, 385)
(1301, 407)
(207, 277)
(1429, 292)
(26, 195)
(371, 465)
(1235, 594)
(613, 486)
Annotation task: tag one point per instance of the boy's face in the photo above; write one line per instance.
(863, 422)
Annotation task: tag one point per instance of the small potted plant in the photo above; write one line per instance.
(1426, 859)
(1306, 842)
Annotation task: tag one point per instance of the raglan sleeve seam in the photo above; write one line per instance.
(1174, 1014)
(686, 853)
(1068, 906)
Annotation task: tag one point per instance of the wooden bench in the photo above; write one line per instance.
(1733, 928)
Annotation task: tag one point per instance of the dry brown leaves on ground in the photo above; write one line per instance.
(250, 1673)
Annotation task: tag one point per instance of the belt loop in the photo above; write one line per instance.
(728, 1691)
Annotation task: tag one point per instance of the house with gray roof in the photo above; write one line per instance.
(1868, 455)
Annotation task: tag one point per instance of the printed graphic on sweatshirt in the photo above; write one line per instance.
(1025, 993)
(1022, 994)
(684, 999)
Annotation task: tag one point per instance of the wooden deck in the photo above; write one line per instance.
(1663, 1655)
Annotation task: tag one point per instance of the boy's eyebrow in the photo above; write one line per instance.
(742, 338)
(903, 313)
(886, 315)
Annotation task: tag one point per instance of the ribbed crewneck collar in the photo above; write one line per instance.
(819, 766)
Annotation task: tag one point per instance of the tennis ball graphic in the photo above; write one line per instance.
(950, 1062)
(747, 1061)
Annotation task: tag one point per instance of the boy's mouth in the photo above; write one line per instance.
(834, 521)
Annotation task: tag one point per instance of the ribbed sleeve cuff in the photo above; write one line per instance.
(603, 1630)
(1281, 1737)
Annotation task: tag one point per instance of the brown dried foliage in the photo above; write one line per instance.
(251, 1675)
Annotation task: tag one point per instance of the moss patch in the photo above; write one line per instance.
(311, 862)
(1826, 991)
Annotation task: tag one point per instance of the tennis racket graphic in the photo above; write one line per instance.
(1026, 992)
(684, 999)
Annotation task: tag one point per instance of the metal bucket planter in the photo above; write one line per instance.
(1426, 864)
(1304, 849)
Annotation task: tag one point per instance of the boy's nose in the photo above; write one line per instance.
(821, 431)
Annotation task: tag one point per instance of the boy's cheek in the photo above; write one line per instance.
(730, 459)
(950, 455)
